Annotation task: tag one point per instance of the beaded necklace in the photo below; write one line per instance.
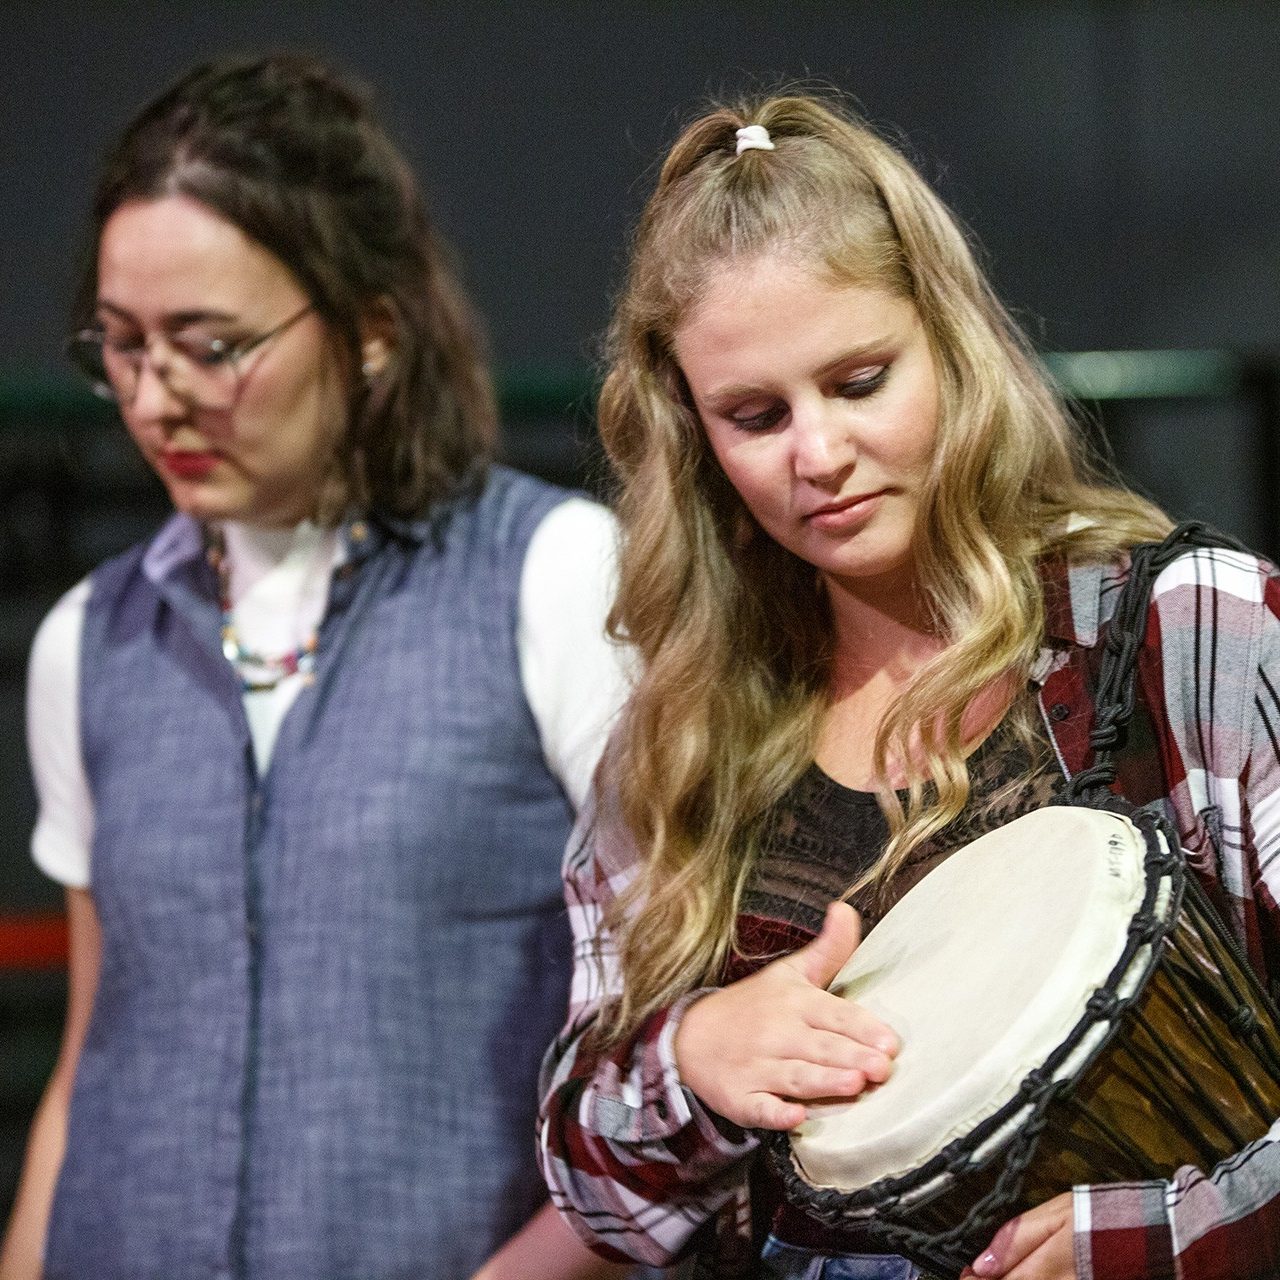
(257, 672)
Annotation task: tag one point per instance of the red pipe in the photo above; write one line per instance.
(33, 942)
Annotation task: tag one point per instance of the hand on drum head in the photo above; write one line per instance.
(1036, 1245)
(756, 1050)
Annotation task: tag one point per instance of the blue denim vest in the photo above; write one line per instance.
(324, 992)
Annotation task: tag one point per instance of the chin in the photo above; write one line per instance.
(882, 576)
(870, 562)
(206, 506)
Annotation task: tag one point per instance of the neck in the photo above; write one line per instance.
(878, 634)
(249, 553)
(881, 641)
(880, 645)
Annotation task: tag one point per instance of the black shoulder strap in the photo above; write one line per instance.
(1115, 694)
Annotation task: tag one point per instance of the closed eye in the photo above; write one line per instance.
(765, 420)
(122, 344)
(864, 384)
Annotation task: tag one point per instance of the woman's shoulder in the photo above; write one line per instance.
(1225, 576)
(56, 646)
(1229, 572)
(507, 506)
(549, 529)
(178, 540)
(504, 486)
(62, 626)
(1216, 611)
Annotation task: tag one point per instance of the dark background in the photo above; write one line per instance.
(1120, 162)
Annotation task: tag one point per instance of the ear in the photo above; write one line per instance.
(377, 337)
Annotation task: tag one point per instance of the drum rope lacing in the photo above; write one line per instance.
(878, 1209)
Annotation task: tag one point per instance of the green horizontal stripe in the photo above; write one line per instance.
(36, 396)
(1146, 375)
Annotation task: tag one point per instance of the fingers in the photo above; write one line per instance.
(767, 1111)
(805, 1082)
(846, 1038)
(780, 1035)
(820, 960)
(780, 1104)
(739, 1085)
(830, 1049)
(1045, 1232)
(852, 1022)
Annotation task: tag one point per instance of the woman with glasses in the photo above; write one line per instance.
(307, 759)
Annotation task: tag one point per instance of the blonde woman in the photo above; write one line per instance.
(867, 564)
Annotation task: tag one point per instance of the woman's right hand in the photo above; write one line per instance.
(755, 1050)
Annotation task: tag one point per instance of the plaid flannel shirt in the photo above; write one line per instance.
(643, 1171)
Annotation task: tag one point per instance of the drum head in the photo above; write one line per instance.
(982, 969)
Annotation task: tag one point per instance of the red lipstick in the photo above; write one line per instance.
(188, 464)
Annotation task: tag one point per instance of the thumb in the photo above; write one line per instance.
(824, 957)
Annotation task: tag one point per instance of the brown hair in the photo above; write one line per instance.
(289, 152)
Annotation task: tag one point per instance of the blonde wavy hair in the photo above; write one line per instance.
(734, 631)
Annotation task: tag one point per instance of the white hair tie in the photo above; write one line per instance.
(754, 137)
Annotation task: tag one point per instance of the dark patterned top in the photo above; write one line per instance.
(824, 837)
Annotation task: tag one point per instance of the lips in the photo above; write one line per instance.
(845, 510)
(188, 464)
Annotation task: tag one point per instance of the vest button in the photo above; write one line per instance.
(1059, 711)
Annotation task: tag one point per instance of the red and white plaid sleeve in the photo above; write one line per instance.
(634, 1162)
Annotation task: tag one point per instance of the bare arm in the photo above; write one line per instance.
(23, 1254)
(546, 1248)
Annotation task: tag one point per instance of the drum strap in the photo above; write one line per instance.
(1115, 697)
(1115, 703)
(1116, 694)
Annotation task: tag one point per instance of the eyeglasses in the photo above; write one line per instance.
(205, 372)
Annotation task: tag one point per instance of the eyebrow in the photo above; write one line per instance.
(175, 320)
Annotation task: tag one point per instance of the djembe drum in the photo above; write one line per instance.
(1070, 1011)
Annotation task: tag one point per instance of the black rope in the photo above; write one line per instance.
(1116, 694)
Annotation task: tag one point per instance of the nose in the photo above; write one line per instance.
(823, 446)
(154, 399)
